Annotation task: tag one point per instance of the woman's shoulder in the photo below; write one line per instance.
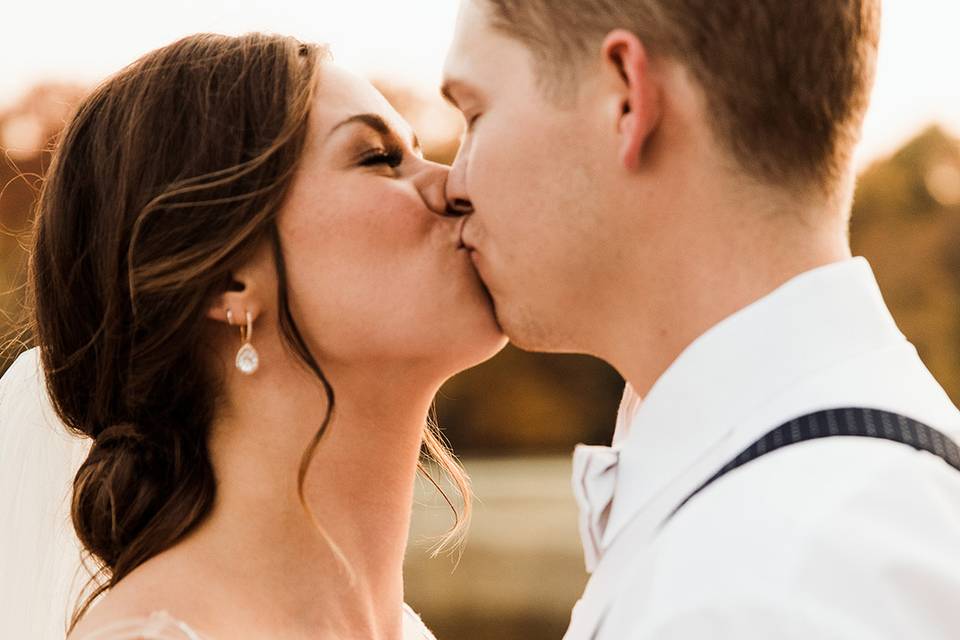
(159, 625)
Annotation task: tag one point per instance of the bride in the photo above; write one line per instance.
(247, 287)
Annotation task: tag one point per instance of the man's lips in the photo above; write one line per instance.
(463, 243)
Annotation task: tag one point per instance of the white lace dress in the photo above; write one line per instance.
(160, 625)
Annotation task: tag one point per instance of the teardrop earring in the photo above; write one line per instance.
(248, 360)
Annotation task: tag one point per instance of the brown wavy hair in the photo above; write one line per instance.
(170, 175)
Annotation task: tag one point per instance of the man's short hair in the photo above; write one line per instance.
(786, 82)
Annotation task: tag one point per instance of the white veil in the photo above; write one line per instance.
(40, 558)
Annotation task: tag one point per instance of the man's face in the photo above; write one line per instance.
(535, 174)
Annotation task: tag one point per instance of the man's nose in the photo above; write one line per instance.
(459, 207)
(458, 200)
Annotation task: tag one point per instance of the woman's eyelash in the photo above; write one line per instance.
(390, 157)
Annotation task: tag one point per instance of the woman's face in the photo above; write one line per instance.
(375, 272)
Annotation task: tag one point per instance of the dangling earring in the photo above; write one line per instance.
(248, 360)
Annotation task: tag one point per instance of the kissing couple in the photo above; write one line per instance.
(246, 286)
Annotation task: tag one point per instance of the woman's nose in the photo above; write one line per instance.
(431, 183)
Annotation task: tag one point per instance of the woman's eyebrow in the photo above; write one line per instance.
(377, 123)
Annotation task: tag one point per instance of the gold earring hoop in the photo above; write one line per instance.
(248, 360)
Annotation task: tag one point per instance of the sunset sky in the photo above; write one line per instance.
(918, 82)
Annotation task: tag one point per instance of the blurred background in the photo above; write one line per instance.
(515, 419)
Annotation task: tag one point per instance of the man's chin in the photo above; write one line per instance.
(521, 326)
(523, 330)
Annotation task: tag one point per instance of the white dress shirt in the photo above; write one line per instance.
(843, 537)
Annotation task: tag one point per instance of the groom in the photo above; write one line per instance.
(666, 185)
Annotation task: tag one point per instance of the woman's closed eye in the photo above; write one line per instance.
(392, 158)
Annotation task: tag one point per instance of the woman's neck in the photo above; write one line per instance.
(359, 486)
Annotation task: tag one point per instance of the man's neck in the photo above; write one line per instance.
(718, 279)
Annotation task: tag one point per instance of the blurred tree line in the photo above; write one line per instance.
(906, 222)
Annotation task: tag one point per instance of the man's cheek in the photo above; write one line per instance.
(487, 175)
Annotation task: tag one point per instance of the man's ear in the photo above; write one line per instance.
(640, 100)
